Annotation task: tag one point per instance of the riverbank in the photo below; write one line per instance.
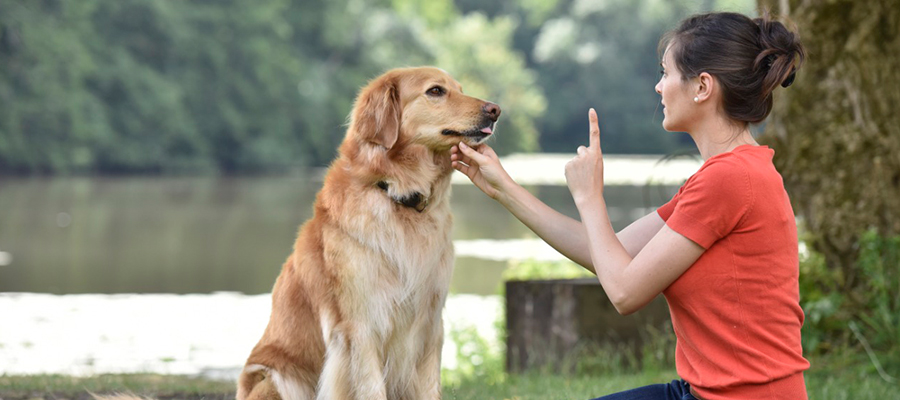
(204, 335)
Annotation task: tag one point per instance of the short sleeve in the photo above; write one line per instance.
(712, 203)
(665, 210)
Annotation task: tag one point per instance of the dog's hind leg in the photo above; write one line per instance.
(256, 385)
(258, 382)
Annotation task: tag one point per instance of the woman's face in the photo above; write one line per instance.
(677, 101)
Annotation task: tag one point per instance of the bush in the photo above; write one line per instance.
(873, 305)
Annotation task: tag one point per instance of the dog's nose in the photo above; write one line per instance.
(492, 110)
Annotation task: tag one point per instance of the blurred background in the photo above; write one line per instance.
(172, 148)
(175, 146)
(237, 87)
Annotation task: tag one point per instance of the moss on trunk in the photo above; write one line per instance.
(836, 131)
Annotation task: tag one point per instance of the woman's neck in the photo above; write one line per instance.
(719, 135)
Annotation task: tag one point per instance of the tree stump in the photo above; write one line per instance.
(549, 322)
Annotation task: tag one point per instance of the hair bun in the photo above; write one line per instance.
(780, 54)
(749, 58)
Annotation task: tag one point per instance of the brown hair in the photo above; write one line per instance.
(748, 57)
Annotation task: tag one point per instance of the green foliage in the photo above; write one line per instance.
(492, 70)
(152, 86)
(879, 303)
(600, 54)
(156, 86)
(476, 359)
(820, 300)
(874, 304)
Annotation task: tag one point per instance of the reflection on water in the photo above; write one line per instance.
(208, 234)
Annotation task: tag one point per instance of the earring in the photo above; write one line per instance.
(696, 99)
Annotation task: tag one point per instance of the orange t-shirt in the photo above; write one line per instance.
(736, 311)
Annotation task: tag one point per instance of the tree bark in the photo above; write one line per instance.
(552, 324)
(836, 132)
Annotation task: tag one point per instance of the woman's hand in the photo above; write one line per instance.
(584, 174)
(482, 166)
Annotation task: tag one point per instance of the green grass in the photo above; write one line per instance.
(59, 387)
(835, 378)
(853, 384)
(533, 386)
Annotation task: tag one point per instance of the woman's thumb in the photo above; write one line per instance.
(472, 153)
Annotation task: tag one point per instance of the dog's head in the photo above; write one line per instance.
(421, 106)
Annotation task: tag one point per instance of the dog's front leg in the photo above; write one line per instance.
(353, 367)
(428, 367)
(366, 367)
(334, 383)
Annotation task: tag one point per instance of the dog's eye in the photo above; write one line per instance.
(436, 91)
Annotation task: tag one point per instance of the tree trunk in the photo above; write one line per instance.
(553, 324)
(835, 131)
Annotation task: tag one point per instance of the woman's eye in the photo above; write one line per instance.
(662, 72)
(436, 91)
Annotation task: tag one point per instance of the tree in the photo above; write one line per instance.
(835, 131)
(600, 54)
(837, 142)
(155, 86)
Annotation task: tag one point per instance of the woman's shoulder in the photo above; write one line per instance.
(746, 161)
(724, 168)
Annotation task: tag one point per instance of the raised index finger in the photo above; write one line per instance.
(595, 129)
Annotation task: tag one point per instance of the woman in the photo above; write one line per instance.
(723, 251)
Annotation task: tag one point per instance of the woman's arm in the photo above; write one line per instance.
(561, 232)
(637, 234)
(633, 281)
(630, 281)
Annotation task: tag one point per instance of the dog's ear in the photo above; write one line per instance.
(376, 115)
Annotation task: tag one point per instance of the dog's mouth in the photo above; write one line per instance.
(477, 134)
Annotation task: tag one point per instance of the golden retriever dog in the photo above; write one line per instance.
(356, 310)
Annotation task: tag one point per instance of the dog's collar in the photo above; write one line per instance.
(416, 200)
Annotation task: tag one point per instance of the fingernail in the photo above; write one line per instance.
(462, 145)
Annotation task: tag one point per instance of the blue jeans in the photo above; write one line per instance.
(675, 390)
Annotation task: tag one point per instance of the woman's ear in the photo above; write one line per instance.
(706, 86)
(376, 114)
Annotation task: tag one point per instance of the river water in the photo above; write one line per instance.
(171, 275)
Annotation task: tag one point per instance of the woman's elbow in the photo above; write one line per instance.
(625, 304)
(624, 309)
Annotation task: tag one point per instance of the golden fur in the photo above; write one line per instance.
(356, 310)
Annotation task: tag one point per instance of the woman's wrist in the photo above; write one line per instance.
(507, 192)
(586, 200)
